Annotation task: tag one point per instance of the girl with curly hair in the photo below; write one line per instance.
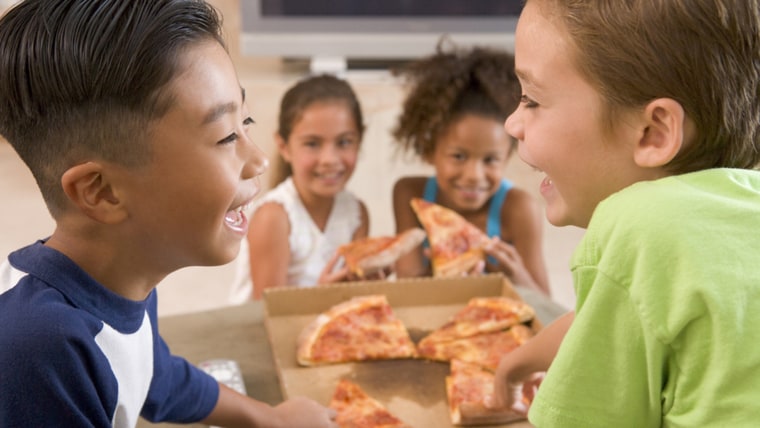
(453, 119)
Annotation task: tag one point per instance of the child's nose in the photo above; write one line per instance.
(328, 154)
(256, 162)
(474, 170)
(513, 125)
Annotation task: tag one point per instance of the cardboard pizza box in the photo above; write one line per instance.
(414, 390)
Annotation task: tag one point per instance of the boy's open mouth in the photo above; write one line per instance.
(236, 219)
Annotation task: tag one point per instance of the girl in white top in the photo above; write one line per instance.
(297, 226)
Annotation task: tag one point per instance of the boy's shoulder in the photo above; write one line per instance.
(712, 189)
(38, 321)
(673, 214)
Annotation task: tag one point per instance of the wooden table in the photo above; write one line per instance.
(238, 333)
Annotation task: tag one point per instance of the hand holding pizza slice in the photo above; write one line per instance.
(456, 245)
(468, 389)
(367, 256)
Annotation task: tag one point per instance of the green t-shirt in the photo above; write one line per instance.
(667, 324)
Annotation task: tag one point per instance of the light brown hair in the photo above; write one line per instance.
(704, 54)
(314, 89)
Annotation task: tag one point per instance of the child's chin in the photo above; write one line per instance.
(472, 203)
(557, 216)
(224, 257)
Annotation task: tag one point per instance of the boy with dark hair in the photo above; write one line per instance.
(130, 116)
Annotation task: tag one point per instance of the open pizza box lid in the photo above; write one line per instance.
(413, 390)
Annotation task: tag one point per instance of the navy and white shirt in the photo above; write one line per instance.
(73, 353)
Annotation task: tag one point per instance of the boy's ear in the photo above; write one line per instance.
(282, 147)
(89, 190)
(663, 135)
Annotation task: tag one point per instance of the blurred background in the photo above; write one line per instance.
(269, 62)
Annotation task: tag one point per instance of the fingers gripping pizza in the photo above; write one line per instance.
(363, 328)
(356, 409)
(468, 386)
(369, 255)
(456, 245)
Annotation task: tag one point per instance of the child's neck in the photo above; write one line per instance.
(318, 207)
(477, 217)
(112, 266)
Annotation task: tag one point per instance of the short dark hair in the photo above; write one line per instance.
(83, 79)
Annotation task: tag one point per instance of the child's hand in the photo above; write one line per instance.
(509, 261)
(379, 274)
(478, 269)
(515, 395)
(304, 412)
(329, 275)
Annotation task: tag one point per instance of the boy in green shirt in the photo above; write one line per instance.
(644, 117)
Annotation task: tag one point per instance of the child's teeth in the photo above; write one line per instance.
(234, 217)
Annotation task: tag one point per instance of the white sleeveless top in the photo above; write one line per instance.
(310, 248)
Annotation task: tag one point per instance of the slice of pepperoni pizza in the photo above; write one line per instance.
(363, 328)
(485, 350)
(369, 255)
(483, 315)
(356, 409)
(456, 245)
(467, 388)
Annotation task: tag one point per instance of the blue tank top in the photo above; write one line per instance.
(493, 223)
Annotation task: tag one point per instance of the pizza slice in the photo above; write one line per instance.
(356, 409)
(369, 255)
(483, 315)
(456, 245)
(485, 350)
(467, 388)
(363, 328)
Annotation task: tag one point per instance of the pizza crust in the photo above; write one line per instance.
(369, 255)
(461, 265)
(456, 245)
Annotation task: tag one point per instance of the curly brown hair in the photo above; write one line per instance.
(449, 84)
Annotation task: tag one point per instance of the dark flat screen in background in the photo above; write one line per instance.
(390, 8)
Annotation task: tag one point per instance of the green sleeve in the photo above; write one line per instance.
(603, 374)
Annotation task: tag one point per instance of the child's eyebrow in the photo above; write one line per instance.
(217, 111)
(526, 77)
